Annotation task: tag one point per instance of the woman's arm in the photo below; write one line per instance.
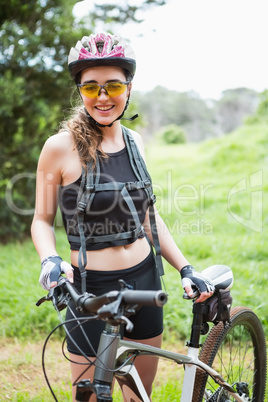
(171, 252)
(48, 180)
(169, 249)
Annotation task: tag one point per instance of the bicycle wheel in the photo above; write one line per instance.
(238, 353)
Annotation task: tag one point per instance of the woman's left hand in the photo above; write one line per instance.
(191, 278)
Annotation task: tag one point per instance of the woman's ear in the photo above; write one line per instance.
(129, 87)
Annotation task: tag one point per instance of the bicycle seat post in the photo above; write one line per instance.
(193, 350)
(198, 311)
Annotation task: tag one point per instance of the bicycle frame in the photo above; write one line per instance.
(190, 361)
(114, 355)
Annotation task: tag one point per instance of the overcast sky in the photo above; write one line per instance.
(206, 46)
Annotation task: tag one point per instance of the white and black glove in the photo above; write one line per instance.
(191, 278)
(51, 268)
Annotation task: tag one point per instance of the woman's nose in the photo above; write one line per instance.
(103, 93)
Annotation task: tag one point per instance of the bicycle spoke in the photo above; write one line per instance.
(238, 353)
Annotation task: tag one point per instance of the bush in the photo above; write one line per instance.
(173, 134)
(17, 196)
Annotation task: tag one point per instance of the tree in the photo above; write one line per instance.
(112, 13)
(35, 38)
(234, 106)
(262, 110)
(162, 107)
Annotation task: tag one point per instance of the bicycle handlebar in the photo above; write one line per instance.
(90, 304)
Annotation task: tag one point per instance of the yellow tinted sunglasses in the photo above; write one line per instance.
(113, 88)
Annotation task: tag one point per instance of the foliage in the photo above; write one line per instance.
(112, 13)
(201, 119)
(35, 38)
(234, 106)
(131, 111)
(20, 268)
(173, 134)
(35, 93)
(263, 106)
(213, 198)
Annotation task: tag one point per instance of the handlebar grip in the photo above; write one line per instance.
(93, 304)
(145, 297)
(87, 302)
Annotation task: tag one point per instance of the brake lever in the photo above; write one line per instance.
(128, 323)
(43, 299)
(59, 300)
(195, 294)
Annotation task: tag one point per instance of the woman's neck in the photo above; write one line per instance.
(113, 139)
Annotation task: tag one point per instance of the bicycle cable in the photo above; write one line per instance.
(90, 362)
(44, 349)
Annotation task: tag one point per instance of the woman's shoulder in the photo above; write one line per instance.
(59, 143)
(135, 135)
(56, 148)
(61, 140)
(138, 140)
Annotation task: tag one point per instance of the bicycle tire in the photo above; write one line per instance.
(238, 352)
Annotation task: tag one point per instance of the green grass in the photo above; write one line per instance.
(20, 269)
(214, 199)
(213, 222)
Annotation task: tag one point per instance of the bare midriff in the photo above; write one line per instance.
(114, 258)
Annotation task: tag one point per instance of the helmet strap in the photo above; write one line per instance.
(118, 118)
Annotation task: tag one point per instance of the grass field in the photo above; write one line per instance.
(213, 197)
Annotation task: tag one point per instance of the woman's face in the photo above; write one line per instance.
(105, 109)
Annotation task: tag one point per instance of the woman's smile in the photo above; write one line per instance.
(104, 108)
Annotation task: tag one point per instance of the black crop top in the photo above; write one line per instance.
(109, 213)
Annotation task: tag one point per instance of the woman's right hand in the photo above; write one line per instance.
(51, 269)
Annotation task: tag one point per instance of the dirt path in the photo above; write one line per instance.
(22, 377)
(21, 368)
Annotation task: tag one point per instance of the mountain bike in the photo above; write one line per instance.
(231, 365)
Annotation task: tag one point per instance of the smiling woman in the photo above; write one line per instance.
(95, 169)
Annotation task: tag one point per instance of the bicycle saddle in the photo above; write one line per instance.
(220, 275)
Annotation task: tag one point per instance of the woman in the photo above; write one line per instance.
(109, 230)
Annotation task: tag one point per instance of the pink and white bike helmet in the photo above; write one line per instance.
(101, 50)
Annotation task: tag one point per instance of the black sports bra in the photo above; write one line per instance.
(109, 213)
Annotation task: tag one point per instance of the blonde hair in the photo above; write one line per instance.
(87, 136)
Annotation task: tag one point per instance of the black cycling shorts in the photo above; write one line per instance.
(148, 321)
